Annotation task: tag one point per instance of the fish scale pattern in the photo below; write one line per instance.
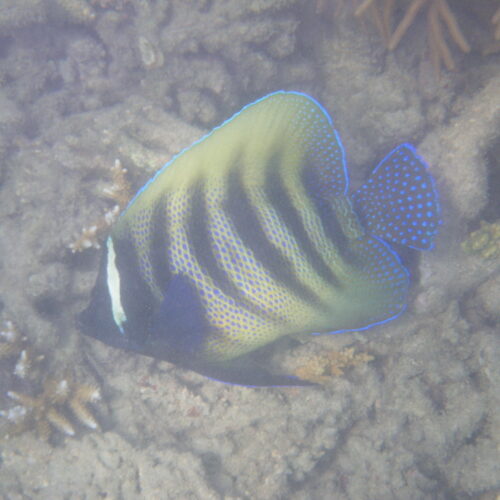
(140, 231)
(239, 325)
(322, 146)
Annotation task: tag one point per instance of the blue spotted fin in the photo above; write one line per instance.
(399, 201)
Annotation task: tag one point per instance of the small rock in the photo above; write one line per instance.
(488, 298)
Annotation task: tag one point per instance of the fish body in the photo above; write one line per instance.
(251, 235)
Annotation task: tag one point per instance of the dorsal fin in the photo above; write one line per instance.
(288, 131)
(291, 132)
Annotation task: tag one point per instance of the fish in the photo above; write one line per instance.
(251, 235)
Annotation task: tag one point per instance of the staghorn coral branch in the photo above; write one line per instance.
(433, 43)
(120, 192)
(363, 7)
(382, 20)
(27, 401)
(437, 42)
(387, 16)
(451, 23)
(440, 19)
(120, 189)
(496, 17)
(495, 20)
(83, 414)
(59, 421)
(406, 22)
(48, 401)
(381, 25)
(438, 10)
(438, 13)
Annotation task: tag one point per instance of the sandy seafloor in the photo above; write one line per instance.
(138, 80)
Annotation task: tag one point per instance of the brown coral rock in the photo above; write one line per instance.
(440, 19)
(322, 368)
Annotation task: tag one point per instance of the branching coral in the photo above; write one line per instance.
(494, 46)
(50, 407)
(15, 346)
(321, 368)
(495, 20)
(48, 410)
(485, 241)
(439, 15)
(120, 193)
(12, 343)
(120, 190)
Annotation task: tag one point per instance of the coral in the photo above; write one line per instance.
(439, 13)
(119, 192)
(15, 14)
(44, 409)
(151, 56)
(322, 367)
(457, 151)
(485, 304)
(494, 47)
(148, 32)
(84, 65)
(225, 50)
(13, 345)
(495, 20)
(48, 410)
(485, 241)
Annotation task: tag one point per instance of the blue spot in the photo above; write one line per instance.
(381, 196)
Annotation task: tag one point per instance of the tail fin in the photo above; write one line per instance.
(399, 203)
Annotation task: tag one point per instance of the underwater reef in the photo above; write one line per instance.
(47, 400)
(119, 192)
(441, 26)
(44, 410)
(484, 241)
(85, 83)
(323, 365)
